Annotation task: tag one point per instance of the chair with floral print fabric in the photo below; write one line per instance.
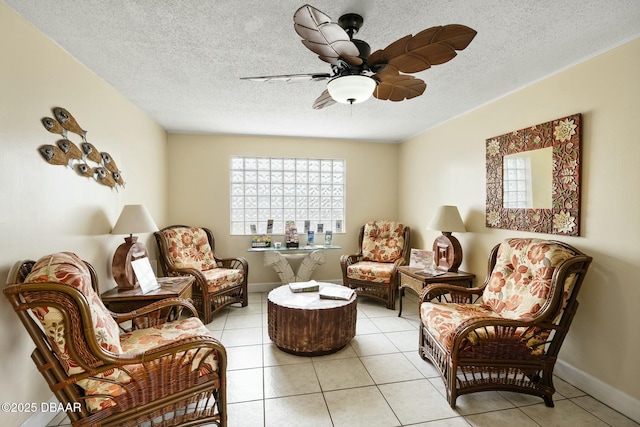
(219, 282)
(373, 271)
(153, 366)
(506, 334)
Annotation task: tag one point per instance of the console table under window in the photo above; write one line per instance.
(280, 259)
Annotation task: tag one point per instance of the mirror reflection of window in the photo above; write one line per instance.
(517, 183)
(527, 179)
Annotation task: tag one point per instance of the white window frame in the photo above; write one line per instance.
(286, 189)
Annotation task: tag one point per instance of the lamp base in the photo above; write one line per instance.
(447, 252)
(121, 267)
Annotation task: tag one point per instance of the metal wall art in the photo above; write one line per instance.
(78, 158)
(562, 215)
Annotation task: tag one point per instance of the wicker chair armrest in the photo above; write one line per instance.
(165, 354)
(399, 262)
(234, 263)
(200, 280)
(347, 260)
(156, 313)
(446, 292)
(178, 346)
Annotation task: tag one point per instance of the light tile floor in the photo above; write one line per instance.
(377, 380)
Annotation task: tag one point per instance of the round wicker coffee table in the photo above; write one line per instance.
(303, 324)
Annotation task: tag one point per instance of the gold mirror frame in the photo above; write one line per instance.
(564, 135)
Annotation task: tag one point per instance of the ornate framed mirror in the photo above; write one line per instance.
(533, 178)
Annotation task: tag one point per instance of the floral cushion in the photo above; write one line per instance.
(221, 278)
(379, 272)
(521, 278)
(67, 268)
(141, 340)
(383, 241)
(443, 320)
(189, 248)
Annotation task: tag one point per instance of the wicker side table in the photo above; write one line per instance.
(305, 325)
(415, 280)
(125, 301)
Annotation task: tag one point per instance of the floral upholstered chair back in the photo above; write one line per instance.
(68, 269)
(189, 247)
(520, 283)
(383, 241)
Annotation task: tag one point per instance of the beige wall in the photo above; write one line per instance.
(603, 341)
(49, 208)
(199, 189)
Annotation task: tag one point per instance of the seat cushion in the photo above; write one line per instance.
(383, 241)
(221, 278)
(379, 272)
(189, 248)
(520, 282)
(142, 340)
(443, 319)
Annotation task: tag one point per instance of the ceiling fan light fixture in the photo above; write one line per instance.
(351, 89)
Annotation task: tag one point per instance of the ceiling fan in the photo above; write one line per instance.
(356, 73)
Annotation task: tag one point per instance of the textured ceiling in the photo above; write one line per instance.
(181, 60)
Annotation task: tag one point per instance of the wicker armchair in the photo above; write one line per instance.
(373, 271)
(152, 367)
(505, 335)
(185, 250)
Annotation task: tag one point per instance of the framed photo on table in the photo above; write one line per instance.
(144, 273)
(421, 258)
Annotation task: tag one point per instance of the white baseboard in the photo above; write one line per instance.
(40, 418)
(621, 402)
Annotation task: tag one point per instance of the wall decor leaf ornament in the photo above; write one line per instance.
(78, 156)
(564, 137)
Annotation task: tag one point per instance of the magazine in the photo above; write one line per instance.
(336, 292)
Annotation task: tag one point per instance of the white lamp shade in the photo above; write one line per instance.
(447, 218)
(351, 89)
(134, 219)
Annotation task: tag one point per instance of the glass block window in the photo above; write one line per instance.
(286, 189)
(517, 191)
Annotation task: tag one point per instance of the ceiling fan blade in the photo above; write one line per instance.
(323, 37)
(433, 46)
(289, 78)
(323, 101)
(398, 87)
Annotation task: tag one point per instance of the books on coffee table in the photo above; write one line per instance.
(311, 286)
(335, 292)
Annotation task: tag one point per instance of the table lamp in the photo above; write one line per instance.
(446, 248)
(133, 219)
